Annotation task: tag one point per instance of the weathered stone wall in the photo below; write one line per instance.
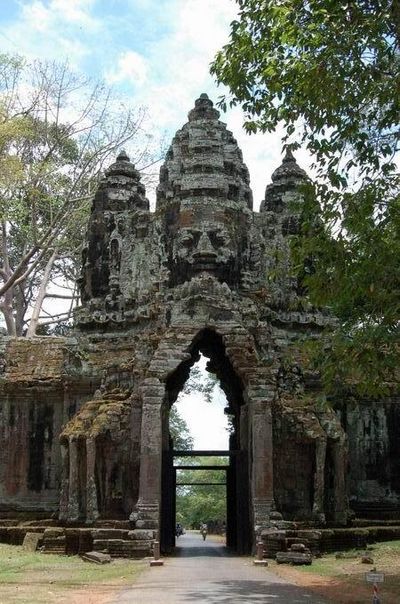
(373, 429)
(32, 411)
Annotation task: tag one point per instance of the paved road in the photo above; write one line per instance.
(205, 573)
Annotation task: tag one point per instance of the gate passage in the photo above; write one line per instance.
(235, 524)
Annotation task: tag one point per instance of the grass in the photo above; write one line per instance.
(347, 575)
(385, 556)
(26, 576)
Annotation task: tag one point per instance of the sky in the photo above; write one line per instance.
(206, 421)
(156, 53)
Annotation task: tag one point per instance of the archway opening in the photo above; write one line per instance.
(233, 456)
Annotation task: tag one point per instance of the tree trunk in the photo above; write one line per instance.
(40, 297)
(20, 307)
(7, 310)
(6, 305)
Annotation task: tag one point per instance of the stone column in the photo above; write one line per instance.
(92, 512)
(73, 490)
(63, 515)
(319, 479)
(262, 463)
(340, 495)
(244, 428)
(148, 506)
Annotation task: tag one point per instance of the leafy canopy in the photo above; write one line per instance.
(327, 72)
(197, 503)
(57, 131)
(179, 431)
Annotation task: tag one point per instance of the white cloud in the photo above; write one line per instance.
(156, 52)
(41, 16)
(38, 16)
(53, 30)
(75, 11)
(131, 66)
(179, 60)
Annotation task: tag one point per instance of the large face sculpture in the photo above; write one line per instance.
(206, 239)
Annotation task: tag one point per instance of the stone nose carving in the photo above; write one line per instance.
(204, 248)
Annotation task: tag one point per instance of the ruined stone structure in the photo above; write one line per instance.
(84, 420)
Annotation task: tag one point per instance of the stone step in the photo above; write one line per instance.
(54, 550)
(119, 548)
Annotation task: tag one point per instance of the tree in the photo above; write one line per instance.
(179, 431)
(201, 503)
(327, 72)
(57, 131)
(200, 382)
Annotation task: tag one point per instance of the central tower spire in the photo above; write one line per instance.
(204, 162)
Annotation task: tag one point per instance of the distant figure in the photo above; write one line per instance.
(203, 530)
(179, 529)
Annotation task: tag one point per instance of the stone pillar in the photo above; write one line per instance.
(340, 495)
(244, 427)
(319, 479)
(63, 515)
(92, 512)
(73, 490)
(134, 455)
(262, 463)
(148, 505)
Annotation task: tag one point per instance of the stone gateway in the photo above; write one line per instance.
(84, 420)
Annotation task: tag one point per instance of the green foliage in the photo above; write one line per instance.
(200, 382)
(179, 431)
(328, 73)
(196, 504)
(57, 131)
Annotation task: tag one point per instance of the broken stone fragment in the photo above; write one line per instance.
(298, 547)
(295, 558)
(32, 541)
(96, 557)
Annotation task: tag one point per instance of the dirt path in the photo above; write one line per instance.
(200, 572)
(204, 572)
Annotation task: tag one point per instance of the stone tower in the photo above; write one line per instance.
(204, 273)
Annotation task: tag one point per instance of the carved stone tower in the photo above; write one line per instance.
(204, 273)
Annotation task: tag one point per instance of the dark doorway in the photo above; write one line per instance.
(238, 530)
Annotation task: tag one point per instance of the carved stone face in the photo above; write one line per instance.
(204, 249)
(205, 240)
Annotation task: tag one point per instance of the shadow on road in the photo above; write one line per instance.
(227, 592)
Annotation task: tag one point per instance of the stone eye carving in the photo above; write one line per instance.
(185, 243)
(187, 240)
(218, 239)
